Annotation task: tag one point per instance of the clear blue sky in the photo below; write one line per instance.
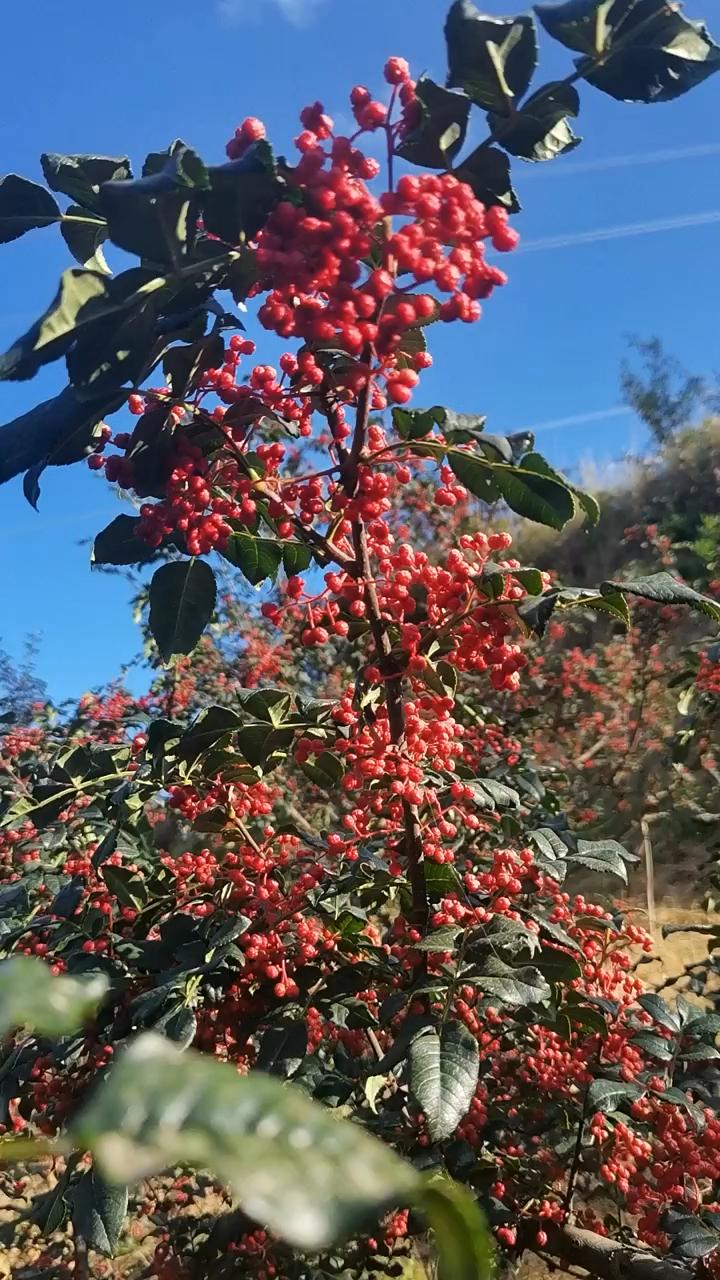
(82, 77)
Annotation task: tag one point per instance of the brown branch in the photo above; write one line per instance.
(605, 1258)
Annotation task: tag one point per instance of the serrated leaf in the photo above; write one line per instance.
(118, 543)
(558, 966)
(492, 59)
(654, 1045)
(207, 730)
(512, 986)
(283, 1047)
(444, 1070)
(84, 234)
(487, 171)
(24, 205)
(52, 1005)
(292, 1165)
(99, 1212)
(440, 133)
(443, 939)
(80, 176)
(608, 1095)
(256, 558)
(662, 588)
(659, 1011)
(589, 505)
(127, 887)
(182, 602)
(696, 1239)
(539, 130)
(528, 493)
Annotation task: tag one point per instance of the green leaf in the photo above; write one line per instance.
(662, 588)
(283, 1047)
(581, 25)
(441, 940)
(444, 1070)
(241, 195)
(590, 506)
(262, 745)
(487, 171)
(113, 352)
(128, 888)
(696, 1239)
(438, 137)
(118, 543)
(413, 424)
(293, 1166)
(83, 234)
(99, 1212)
(212, 726)
(296, 557)
(608, 1095)
(537, 497)
(24, 205)
(657, 55)
(84, 298)
(182, 602)
(185, 364)
(659, 1011)
(492, 59)
(462, 1238)
(680, 1099)
(80, 177)
(512, 986)
(600, 855)
(558, 966)
(327, 771)
(654, 1045)
(33, 997)
(54, 433)
(540, 130)
(256, 558)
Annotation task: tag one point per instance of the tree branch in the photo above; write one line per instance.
(606, 1258)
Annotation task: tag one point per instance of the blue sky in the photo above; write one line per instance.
(81, 77)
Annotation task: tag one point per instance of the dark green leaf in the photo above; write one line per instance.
(654, 1045)
(657, 55)
(241, 194)
(487, 171)
(213, 725)
(327, 771)
(444, 1071)
(31, 996)
(128, 888)
(659, 1011)
(529, 494)
(256, 558)
(283, 1047)
(118, 543)
(462, 1238)
(23, 206)
(296, 557)
(99, 1212)
(536, 462)
(184, 366)
(608, 1095)
(492, 59)
(599, 855)
(262, 745)
(558, 966)
(582, 25)
(80, 177)
(663, 588)
(182, 602)
(540, 130)
(155, 216)
(696, 1239)
(84, 298)
(444, 939)
(84, 234)
(680, 1099)
(510, 986)
(413, 424)
(441, 131)
(178, 1025)
(293, 1166)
